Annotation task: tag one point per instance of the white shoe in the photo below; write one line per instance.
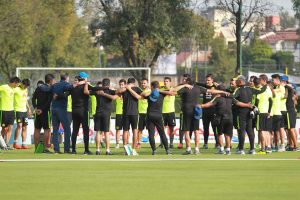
(197, 152)
(117, 146)
(241, 152)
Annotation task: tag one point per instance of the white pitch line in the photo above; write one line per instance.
(150, 159)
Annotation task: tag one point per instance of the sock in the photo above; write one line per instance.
(196, 148)
(98, 149)
(188, 149)
(227, 149)
(107, 150)
(222, 148)
(23, 144)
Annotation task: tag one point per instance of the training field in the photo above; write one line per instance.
(25, 175)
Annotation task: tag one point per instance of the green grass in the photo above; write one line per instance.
(170, 179)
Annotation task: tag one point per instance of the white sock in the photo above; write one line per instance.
(227, 149)
(107, 150)
(222, 148)
(188, 148)
(98, 149)
(196, 148)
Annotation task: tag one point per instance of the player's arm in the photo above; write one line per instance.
(109, 96)
(33, 99)
(29, 113)
(209, 104)
(213, 91)
(179, 87)
(168, 92)
(86, 89)
(133, 93)
(259, 91)
(241, 104)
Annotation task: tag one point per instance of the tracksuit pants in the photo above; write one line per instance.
(81, 118)
(152, 122)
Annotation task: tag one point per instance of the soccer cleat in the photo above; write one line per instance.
(252, 152)
(180, 146)
(17, 146)
(205, 146)
(88, 153)
(97, 153)
(108, 153)
(171, 146)
(221, 152)
(197, 152)
(168, 152)
(25, 147)
(117, 146)
(241, 152)
(187, 152)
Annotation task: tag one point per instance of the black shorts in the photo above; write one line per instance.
(21, 117)
(130, 120)
(189, 123)
(226, 127)
(7, 118)
(169, 119)
(263, 123)
(119, 122)
(142, 121)
(277, 122)
(102, 122)
(284, 119)
(291, 119)
(43, 120)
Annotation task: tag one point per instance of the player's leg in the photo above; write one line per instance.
(161, 131)
(241, 134)
(205, 121)
(134, 124)
(251, 136)
(55, 124)
(17, 134)
(85, 121)
(126, 125)
(151, 131)
(24, 133)
(105, 128)
(119, 127)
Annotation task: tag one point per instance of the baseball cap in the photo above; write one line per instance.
(154, 95)
(83, 75)
(197, 112)
(284, 78)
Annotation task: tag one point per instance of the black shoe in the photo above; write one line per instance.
(58, 152)
(46, 151)
(171, 146)
(97, 153)
(154, 152)
(68, 152)
(74, 152)
(108, 153)
(187, 152)
(169, 152)
(88, 153)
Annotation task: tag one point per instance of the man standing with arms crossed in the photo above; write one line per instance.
(22, 112)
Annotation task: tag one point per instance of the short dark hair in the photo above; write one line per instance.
(26, 82)
(131, 80)
(48, 78)
(14, 79)
(105, 82)
(99, 83)
(256, 81)
(186, 75)
(209, 76)
(144, 79)
(122, 81)
(40, 82)
(263, 77)
(189, 81)
(252, 77)
(155, 84)
(276, 76)
(64, 76)
(168, 78)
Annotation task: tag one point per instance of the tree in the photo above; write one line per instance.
(286, 21)
(143, 30)
(243, 11)
(283, 59)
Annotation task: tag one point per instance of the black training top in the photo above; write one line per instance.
(190, 98)
(290, 105)
(80, 101)
(42, 100)
(155, 108)
(223, 106)
(130, 103)
(104, 104)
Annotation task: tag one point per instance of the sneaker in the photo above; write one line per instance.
(221, 152)
(269, 150)
(197, 152)
(205, 146)
(252, 152)
(154, 152)
(97, 153)
(296, 149)
(281, 149)
(17, 146)
(117, 146)
(180, 146)
(241, 152)
(261, 152)
(25, 147)
(9, 147)
(228, 152)
(289, 149)
(108, 153)
(187, 152)
(46, 151)
(88, 153)
(169, 152)
(171, 146)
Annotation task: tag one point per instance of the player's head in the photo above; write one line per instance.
(25, 83)
(144, 83)
(184, 77)
(155, 85)
(131, 81)
(83, 76)
(167, 82)
(122, 83)
(233, 84)
(209, 79)
(263, 79)
(76, 79)
(251, 83)
(40, 82)
(241, 80)
(105, 82)
(64, 77)
(99, 83)
(14, 81)
(189, 81)
(256, 82)
(284, 79)
(49, 79)
(276, 79)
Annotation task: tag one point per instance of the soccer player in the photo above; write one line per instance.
(69, 106)
(154, 116)
(22, 112)
(41, 102)
(7, 109)
(130, 96)
(264, 104)
(142, 107)
(119, 113)
(168, 110)
(103, 112)
(189, 97)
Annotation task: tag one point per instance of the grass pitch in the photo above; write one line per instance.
(274, 176)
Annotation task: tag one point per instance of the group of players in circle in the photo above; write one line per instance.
(267, 106)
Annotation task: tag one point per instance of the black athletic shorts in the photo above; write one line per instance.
(21, 117)
(130, 120)
(119, 122)
(169, 119)
(263, 123)
(189, 123)
(142, 121)
(226, 127)
(291, 119)
(102, 122)
(43, 120)
(277, 122)
(284, 119)
(7, 118)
